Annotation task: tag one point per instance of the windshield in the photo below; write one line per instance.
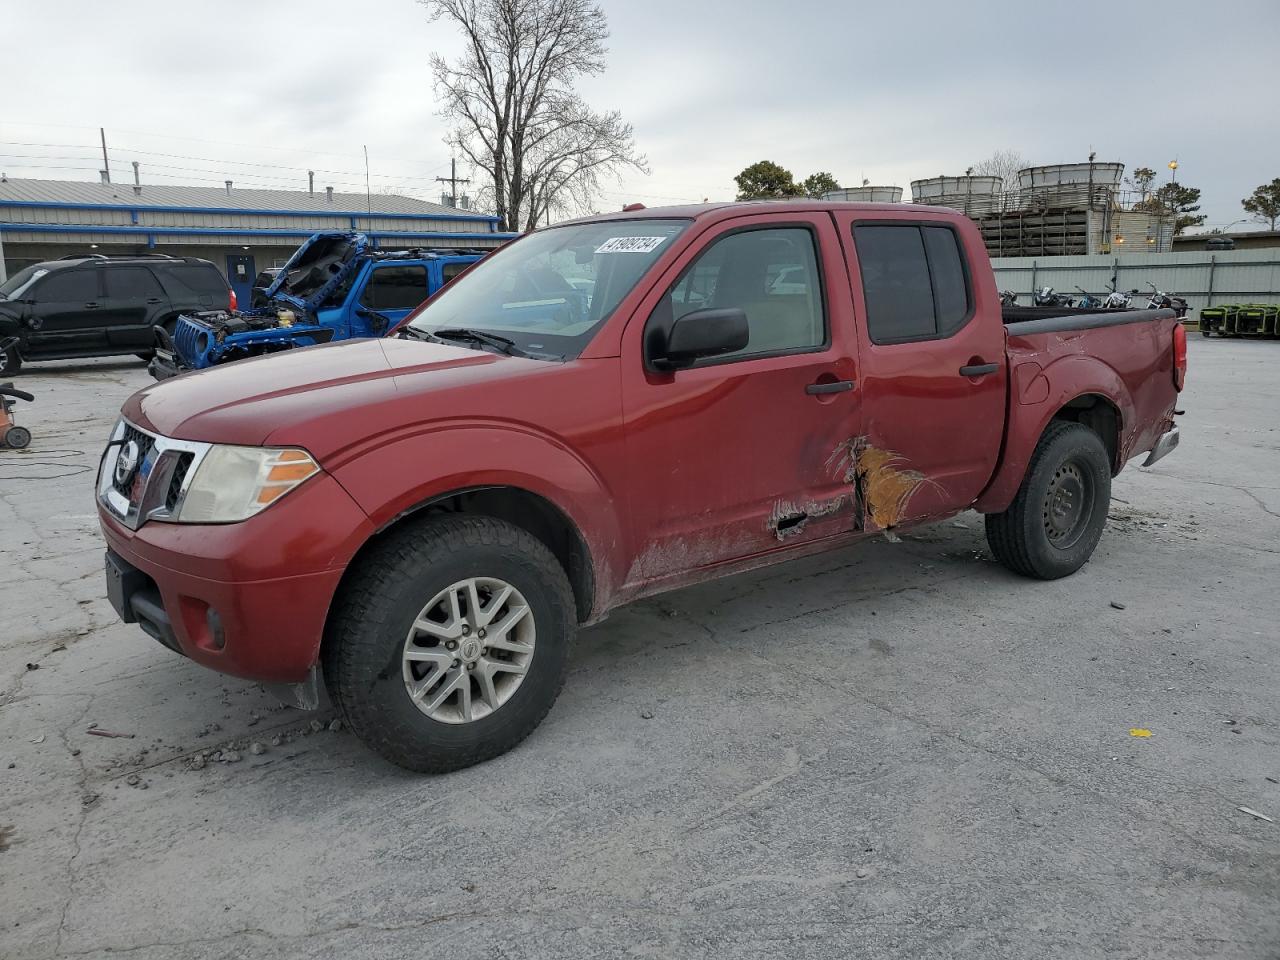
(13, 288)
(551, 290)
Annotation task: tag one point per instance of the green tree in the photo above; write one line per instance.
(1182, 202)
(767, 181)
(1141, 181)
(1264, 203)
(816, 184)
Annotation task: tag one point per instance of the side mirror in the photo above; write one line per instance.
(380, 321)
(701, 334)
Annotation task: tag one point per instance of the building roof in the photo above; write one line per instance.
(85, 193)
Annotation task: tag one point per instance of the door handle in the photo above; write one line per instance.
(91, 306)
(979, 369)
(155, 300)
(836, 386)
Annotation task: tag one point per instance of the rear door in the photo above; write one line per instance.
(132, 301)
(67, 312)
(933, 378)
(739, 455)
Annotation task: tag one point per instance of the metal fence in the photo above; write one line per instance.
(1204, 278)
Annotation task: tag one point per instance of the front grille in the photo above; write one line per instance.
(186, 339)
(144, 443)
(180, 471)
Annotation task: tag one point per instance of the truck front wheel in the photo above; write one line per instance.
(450, 642)
(1054, 523)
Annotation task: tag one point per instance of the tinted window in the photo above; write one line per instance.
(451, 270)
(132, 283)
(946, 268)
(190, 281)
(772, 275)
(395, 288)
(65, 286)
(913, 281)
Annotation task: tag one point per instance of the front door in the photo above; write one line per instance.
(391, 291)
(66, 312)
(739, 454)
(932, 358)
(240, 274)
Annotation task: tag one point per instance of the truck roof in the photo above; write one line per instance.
(741, 207)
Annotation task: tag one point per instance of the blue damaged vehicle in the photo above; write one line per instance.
(335, 287)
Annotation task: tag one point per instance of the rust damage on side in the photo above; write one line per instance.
(883, 484)
(882, 488)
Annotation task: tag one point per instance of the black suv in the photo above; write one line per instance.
(99, 306)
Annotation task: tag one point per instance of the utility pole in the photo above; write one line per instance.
(453, 180)
(106, 164)
(368, 190)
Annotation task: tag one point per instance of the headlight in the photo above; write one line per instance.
(234, 483)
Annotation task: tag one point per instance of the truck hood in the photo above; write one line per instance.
(265, 399)
(316, 269)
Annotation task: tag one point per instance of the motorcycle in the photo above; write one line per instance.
(1165, 301)
(1088, 301)
(1008, 298)
(1118, 300)
(1047, 297)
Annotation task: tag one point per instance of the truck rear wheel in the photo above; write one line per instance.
(450, 642)
(1054, 523)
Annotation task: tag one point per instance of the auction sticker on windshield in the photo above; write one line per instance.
(630, 245)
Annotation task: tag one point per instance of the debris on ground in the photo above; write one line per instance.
(317, 726)
(33, 666)
(196, 762)
(1273, 779)
(133, 780)
(230, 756)
(88, 799)
(96, 732)
(39, 739)
(646, 714)
(335, 726)
(1117, 604)
(257, 748)
(1140, 732)
(468, 886)
(862, 873)
(1255, 813)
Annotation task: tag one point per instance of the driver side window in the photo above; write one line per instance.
(772, 275)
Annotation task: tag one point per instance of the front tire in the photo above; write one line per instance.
(1054, 523)
(450, 642)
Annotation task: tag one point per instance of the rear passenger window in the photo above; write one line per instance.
(132, 283)
(772, 275)
(451, 270)
(199, 283)
(68, 286)
(913, 281)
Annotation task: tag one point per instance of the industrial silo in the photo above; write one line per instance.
(973, 195)
(866, 195)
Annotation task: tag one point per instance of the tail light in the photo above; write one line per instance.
(233, 304)
(1179, 355)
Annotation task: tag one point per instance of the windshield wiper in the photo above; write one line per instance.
(414, 332)
(501, 344)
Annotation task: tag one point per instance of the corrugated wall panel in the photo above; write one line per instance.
(1202, 277)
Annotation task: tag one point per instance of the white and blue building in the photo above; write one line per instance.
(243, 231)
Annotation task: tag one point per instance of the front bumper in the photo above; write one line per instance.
(248, 599)
(1164, 446)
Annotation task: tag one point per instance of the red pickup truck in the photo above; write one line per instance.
(601, 411)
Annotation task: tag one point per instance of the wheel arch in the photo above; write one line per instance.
(1078, 388)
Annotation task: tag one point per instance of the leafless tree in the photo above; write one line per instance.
(543, 150)
(1004, 164)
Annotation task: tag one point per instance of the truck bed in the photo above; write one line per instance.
(1024, 320)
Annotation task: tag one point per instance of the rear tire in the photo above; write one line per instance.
(379, 662)
(10, 362)
(1054, 523)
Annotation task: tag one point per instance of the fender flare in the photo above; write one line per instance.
(391, 477)
(1068, 378)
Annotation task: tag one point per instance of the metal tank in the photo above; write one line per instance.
(1063, 185)
(970, 194)
(866, 194)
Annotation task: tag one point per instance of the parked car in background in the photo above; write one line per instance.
(424, 520)
(100, 306)
(336, 286)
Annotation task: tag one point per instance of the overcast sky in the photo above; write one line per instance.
(202, 92)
